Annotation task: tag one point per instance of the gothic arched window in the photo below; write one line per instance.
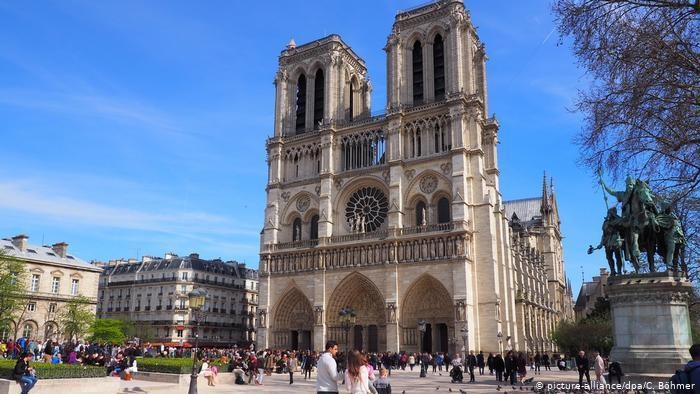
(439, 68)
(319, 85)
(296, 230)
(417, 73)
(301, 105)
(314, 227)
(443, 210)
(421, 214)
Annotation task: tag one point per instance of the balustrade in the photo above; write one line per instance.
(425, 243)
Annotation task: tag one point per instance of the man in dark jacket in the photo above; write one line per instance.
(23, 373)
(583, 366)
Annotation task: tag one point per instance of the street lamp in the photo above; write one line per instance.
(465, 338)
(421, 328)
(197, 298)
(347, 320)
(500, 341)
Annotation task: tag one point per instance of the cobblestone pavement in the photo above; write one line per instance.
(407, 382)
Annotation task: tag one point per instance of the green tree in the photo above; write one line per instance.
(76, 317)
(107, 331)
(12, 287)
(594, 332)
(642, 110)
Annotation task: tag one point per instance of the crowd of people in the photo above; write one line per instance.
(360, 372)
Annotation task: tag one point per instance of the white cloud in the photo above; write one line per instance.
(33, 199)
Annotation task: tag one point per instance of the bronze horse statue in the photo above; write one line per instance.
(645, 228)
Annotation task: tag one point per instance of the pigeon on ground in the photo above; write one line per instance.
(450, 389)
(498, 388)
(437, 388)
(521, 388)
(462, 391)
(403, 392)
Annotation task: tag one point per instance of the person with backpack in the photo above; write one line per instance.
(690, 375)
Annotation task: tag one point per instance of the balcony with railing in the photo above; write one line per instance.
(435, 242)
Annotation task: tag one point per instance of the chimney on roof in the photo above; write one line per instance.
(170, 255)
(61, 249)
(194, 255)
(20, 242)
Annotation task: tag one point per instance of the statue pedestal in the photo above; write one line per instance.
(651, 325)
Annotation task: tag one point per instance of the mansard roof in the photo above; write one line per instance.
(45, 254)
(175, 263)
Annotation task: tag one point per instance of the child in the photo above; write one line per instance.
(382, 383)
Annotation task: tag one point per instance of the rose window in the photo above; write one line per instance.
(366, 210)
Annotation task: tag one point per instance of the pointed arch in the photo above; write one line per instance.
(292, 322)
(417, 72)
(429, 301)
(427, 298)
(300, 123)
(438, 68)
(319, 97)
(361, 294)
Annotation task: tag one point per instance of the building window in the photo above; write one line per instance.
(439, 68)
(31, 307)
(301, 105)
(28, 330)
(179, 333)
(52, 307)
(417, 73)
(296, 230)
(34, 286)
(55, 284)
(319, 85)
(74, 286)
(314, 227)
(184, 276)
(443, 210)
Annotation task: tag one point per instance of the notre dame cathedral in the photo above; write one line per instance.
(400, 217)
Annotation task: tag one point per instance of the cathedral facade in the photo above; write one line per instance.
(399, 217)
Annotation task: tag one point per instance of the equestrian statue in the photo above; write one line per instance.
(647, 225)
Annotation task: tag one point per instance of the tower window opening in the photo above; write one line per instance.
(319, 85)
(417, 73)
(439, 68)
(301, 105)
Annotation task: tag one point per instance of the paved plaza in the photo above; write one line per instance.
(407, 382)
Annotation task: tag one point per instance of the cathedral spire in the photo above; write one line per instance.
(546, 203)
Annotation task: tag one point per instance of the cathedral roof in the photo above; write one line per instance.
(525, 209)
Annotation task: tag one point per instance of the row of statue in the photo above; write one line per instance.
(357, 223)
(647, 224)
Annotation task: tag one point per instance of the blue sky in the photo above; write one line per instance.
(134, 128)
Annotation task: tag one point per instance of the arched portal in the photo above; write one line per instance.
(426, 300)
(362, 295)
(292, 325)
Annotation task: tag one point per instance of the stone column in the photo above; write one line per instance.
(651, 325)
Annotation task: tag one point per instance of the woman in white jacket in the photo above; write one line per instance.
(357, 374)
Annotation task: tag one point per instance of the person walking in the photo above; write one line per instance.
(471, 364)
(480, 362)
(327, 370)
(356, 375)
(499, 366)
(291, 366)
(583, 365)
(599, 369)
